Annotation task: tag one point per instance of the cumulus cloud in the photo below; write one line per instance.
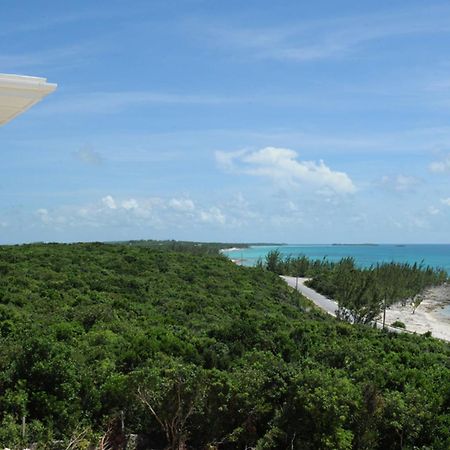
(127, 208)
(400, 183)
(182, 204)
(213, 215)
(109, 202)
(446, 201)
(42, 213)
(47, 218)
(282, 166)
(130, 204)
(442, 166)
(225, 160)
(146, 212)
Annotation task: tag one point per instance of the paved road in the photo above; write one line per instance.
(326, 304)
(320, 300)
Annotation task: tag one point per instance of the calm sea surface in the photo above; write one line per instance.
(365, 255)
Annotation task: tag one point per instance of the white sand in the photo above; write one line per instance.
(428, 316)
(232, 249)
(238, 262)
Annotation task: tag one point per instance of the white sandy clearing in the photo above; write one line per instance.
(428, 316)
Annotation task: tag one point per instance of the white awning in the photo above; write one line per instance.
(19, 93)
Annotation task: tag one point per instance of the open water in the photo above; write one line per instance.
(437, 255)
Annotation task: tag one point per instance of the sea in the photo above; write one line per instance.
(434, 255)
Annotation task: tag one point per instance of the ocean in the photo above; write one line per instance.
(436, 255)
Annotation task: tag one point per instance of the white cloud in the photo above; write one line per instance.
(47, 218)
(182, 204)
(441, 166)
(282, 166)
(43, 214)
(130, 204)
(139, 209)
(147, 212)
(109, 202)
(446, 201)
(433, 211)
(225, 160)
(213, 215)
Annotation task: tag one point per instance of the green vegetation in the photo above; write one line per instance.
(192, 350)
(195, 248)
(361, 293)
(398, 324)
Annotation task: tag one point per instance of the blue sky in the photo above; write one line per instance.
(300, 122)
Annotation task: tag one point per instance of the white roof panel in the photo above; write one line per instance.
(19, 93)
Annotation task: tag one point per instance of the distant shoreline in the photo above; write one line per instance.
(359, 245)
(365, 255)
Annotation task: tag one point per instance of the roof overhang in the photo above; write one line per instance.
(19, 93)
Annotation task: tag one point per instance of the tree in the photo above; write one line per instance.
(358, 298)
(274, 261)
(172, 395)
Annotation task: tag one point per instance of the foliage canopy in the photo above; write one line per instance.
(226, 357)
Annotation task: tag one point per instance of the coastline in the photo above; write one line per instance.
(428, 316)
(433, 255)
(231, 249)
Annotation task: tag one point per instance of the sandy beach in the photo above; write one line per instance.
(429, 315)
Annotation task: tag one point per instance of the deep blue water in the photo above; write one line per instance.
(437, 255)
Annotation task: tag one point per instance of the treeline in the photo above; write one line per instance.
(101, 341)
(361, 293)
(195, 248)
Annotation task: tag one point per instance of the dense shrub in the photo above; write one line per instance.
(93, 336)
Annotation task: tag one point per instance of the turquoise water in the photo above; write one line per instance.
(365, 255)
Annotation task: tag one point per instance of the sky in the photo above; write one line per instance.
(255, 121)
